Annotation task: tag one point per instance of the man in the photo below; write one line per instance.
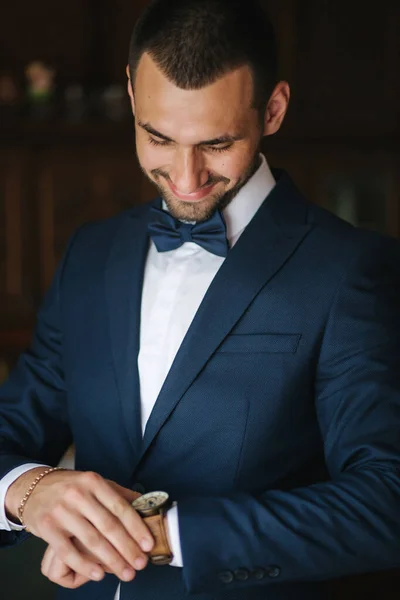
(230, 345)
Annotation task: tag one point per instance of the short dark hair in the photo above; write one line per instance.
(194, 42)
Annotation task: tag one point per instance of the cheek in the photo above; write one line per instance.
(232, 166)
(150, 158)
(147, 155)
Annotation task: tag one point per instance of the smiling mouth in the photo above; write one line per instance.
(195, 196)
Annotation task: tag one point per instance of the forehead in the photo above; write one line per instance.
(225, 104)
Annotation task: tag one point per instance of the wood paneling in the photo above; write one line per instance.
(16, 276)
(77, 187)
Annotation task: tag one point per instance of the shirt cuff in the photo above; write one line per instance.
(173, 530)
(5, 483)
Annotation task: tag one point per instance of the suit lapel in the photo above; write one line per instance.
(267, 243)
(124, 282)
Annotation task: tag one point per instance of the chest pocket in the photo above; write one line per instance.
(261, 343)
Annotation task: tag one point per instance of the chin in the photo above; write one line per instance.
(187, 211)
(191, 211)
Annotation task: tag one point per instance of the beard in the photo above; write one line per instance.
(203, 210)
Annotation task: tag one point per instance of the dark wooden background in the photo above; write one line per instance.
(340, 141)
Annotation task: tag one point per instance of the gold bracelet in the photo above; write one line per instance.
(24, 500)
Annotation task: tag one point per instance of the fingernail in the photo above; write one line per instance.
(140, 563)
(146, 545)
(127, 574)
(97, 575)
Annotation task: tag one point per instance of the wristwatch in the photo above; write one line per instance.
(152, 507)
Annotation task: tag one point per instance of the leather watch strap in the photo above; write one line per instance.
(161, 553)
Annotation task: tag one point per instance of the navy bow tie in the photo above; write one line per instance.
(168, 233)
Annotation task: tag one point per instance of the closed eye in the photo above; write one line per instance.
(219, 148)
(156, 142)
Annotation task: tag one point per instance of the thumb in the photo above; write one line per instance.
(126, 493)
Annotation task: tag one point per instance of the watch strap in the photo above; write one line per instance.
(161, 553)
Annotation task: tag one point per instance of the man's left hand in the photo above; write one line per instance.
(58, 572)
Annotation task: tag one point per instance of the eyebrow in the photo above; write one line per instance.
(223, 139)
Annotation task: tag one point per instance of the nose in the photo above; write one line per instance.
(188, 172)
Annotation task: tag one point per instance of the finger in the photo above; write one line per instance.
(118, 501)
(64, 576)
(92, 539)
(86, 551)
(61, 574)
(46, 560)
(52, 568)
(111, 499)
(81, 548)
(114, 531)
(65, 550)
(129, 495)
(122, 509)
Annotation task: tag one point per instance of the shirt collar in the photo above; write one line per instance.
(245, 204)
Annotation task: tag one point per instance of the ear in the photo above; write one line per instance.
(276, 108)
(130, 89)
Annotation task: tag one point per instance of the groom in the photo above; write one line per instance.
(230, 345)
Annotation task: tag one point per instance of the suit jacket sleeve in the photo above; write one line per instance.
(350, 523)
(33, 409)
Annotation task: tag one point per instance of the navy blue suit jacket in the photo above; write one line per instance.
(277, 429)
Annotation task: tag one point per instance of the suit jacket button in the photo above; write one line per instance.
(274, 571)
(259, 573)
(241, 574)
(225, 577)
(139, 488)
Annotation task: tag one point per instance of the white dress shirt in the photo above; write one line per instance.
(174, 285)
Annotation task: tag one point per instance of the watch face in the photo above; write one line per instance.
(151, 502)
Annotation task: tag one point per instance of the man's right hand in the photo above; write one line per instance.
(96, 513)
